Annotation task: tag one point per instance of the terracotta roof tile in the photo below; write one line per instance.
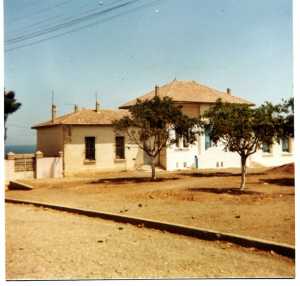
(86, 117)
(189, 91)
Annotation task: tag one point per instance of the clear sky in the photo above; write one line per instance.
(124, 51)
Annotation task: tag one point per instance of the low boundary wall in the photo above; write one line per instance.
(28, 166)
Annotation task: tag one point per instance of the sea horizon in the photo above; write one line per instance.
(20, 149)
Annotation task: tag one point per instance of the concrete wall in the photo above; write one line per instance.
(276, 157)
(74, 151)
(195, 109)
(44, 167)
(215, 156)
(191, 109)
(195, 155)
(50, 140)
(9, 166)
(49, 167)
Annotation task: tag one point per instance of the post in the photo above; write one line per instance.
(38, 156)
(10, 166)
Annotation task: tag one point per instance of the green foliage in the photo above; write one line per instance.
(150, 121)
(10, 106)
(240, 128)
(286, 118)
(244, 129)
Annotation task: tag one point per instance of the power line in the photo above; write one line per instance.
(82, 27)
(40, 11)
(68, 23)
(44, 19)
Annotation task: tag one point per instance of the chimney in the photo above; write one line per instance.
(97, 106)
(156, 90)
(53, 109)
(76, 108)
(228, 91)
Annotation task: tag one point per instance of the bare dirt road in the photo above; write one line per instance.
(265, 210)
(48, 244)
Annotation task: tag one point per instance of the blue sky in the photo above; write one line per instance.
(241, 44)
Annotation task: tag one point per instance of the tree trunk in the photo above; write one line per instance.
(243, 172)
(153, 175)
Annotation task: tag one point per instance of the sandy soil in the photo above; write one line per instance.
(48, 244)
(204, 199)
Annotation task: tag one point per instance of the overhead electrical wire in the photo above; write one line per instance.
(46, 21)
(40, 11)
(83, 27)
(70, 23)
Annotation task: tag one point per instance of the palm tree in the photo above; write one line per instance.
(10, 106)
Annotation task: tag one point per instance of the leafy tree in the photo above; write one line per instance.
(10, 106)
(242, 129)
(286, 118)
(150, 122)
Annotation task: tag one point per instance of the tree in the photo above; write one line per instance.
(150, 122)
(286, 118)
(10, 106)
(242, 129)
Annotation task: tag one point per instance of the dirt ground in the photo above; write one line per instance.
(47, 244)
(266, 209)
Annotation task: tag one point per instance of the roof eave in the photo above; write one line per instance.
(71, 124)
(126, 106)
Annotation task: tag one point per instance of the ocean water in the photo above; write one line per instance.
(20, 149)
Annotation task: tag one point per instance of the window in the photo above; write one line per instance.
(285, 145)
(266, 148)
(120, 147)
(90, 148)
(208, 141)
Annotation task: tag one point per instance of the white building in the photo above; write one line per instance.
(89, 141)
(195, 99)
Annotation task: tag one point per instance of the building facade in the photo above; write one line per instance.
(90, 143)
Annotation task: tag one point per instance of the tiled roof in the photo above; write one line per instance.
(86, 117)
(189, 91)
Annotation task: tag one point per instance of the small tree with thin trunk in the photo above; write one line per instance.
(242, 129)
(149, 126)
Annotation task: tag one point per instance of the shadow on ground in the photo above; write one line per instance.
(131, 180)
(230, 191)
(280, 181)
(219, 174)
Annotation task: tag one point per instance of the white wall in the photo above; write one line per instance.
(216, 157)
(213, 157)
(181, 158)
(275, 158)
(49, 167)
